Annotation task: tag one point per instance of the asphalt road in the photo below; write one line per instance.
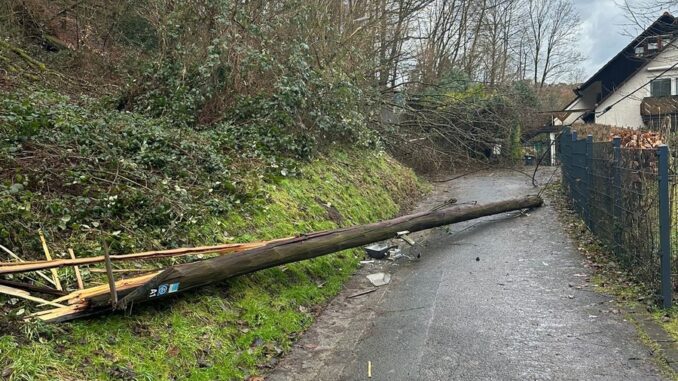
(500, 298)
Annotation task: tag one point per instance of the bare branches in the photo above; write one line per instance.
(553, 27)
(641, 13)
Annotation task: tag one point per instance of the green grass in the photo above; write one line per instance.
(236, 328)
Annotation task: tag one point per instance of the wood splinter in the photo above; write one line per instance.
(40, 273)
(26, 295)
(78, 276)
(55, 274)
(109, 274)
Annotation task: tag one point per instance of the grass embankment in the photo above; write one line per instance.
(230, 330)
(86, 175)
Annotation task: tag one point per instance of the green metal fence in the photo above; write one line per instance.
(623, 196)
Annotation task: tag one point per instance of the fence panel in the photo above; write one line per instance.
(616, 191)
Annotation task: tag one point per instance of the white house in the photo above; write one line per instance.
(638, 88)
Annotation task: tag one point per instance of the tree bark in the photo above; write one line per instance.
(201, 273)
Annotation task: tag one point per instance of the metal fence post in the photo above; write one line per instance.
(616, 192)
(563, 140)
(665, 225)
(572, 184)
(588, 183)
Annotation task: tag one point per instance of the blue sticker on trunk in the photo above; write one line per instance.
(174, 287)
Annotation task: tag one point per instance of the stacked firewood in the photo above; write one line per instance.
(640, 139)
(637, 138)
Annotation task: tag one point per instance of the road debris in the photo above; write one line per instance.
(405, 237)
(361, 293)
(397, 254)
(379, 251)
(379, 279)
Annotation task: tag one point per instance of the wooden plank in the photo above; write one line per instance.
(26, 295)
(40, 273)
(78, 276)
(101, 271)
(13, 268)
(55, 274)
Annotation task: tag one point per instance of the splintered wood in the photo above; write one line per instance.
(55, 274)
(25, 266)
(78, 301)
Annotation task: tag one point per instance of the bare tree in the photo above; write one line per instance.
(495, 41)
(553, 28)
(498, 36)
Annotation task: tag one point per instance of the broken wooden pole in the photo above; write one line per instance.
(109, 274)
(191, 275)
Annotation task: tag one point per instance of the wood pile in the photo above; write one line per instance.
(637, 138)
(640, 139)
(232, 260)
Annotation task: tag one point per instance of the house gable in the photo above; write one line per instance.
(619, 76)
(626, 109)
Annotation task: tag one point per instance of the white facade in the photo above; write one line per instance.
(626, 113)
(625, 100)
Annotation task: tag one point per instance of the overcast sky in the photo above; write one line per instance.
(602, 32)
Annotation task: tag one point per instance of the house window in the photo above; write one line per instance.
(660, 87)
(640, 50)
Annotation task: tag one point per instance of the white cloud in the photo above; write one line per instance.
(601, 32)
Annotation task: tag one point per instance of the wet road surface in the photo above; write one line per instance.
(490, 299)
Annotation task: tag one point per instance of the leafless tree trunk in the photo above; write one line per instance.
(553, 27)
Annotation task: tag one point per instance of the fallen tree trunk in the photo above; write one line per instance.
(191, 275)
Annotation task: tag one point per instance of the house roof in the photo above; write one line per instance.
(625, 63)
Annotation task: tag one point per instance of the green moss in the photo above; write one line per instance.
(669, 320)
(230, 330)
